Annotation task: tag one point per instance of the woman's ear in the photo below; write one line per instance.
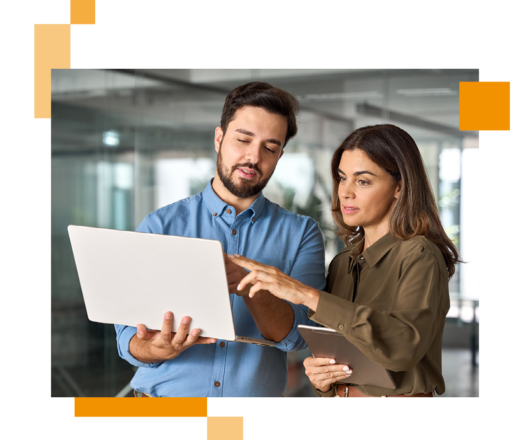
(397, 192)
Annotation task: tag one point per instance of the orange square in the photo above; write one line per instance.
(82, 11)
(484, 106)
(225, 428)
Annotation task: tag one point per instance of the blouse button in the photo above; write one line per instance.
(234, 232)
(214, 214)
(217, 384)
(341, 327)
(229, 211)
(222, 344)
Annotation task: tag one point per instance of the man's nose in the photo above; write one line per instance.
(253, 153)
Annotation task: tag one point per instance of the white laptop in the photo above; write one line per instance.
(132, 278)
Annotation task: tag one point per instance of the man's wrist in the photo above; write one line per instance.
(144, 352)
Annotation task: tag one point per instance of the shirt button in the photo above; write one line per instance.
(217, 384)
(214, 214)
(229, 211)
(253, 219)
(234, 232)
(222, 344)
(341, 327)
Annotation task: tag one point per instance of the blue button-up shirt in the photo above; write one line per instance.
(264, 232)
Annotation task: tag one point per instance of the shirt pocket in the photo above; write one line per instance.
(284, 265)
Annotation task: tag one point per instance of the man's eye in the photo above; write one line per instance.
(243, 141)
(270, 150)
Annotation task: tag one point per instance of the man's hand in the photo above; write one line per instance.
(234, 275)
(155, 346)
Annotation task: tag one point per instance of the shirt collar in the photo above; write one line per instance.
(216, 206)
(379, 249)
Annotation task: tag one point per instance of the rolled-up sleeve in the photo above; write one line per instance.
(124, 335)
(309, 269)
(397, 339)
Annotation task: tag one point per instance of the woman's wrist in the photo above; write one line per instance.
(331, 391)
(311, 298)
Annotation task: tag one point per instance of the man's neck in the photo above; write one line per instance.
(240, 204)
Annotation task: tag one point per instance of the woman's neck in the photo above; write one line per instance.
(374, 233)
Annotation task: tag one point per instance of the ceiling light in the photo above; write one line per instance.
(111, 138)
(427, 92)
(340, 96)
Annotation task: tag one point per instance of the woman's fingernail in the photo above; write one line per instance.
(239, 287)
(230, 256)
(332, 361)
(349, 372)
(345, 368)
(169, 315)
(236, 255)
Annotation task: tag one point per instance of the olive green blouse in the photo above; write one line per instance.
(390, 302)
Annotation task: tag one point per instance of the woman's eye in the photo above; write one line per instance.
(362, 182)
(342, 178)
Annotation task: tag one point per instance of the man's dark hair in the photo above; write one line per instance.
(265, 96)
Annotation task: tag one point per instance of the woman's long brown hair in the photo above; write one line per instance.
(415, 211)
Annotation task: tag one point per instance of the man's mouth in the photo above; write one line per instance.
(247, 173)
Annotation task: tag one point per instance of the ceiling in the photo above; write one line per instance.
(168, 109)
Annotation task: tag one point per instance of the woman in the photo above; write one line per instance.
(387, 291)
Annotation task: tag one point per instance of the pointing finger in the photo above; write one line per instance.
(250, 278)
(244, 262)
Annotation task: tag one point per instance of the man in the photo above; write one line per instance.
(257, 121)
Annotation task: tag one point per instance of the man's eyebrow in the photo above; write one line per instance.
(357, 173)
(249, 133)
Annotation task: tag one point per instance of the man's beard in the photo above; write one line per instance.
(242, 189)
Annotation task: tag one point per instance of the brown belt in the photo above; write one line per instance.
(354, 392)
(140, 394)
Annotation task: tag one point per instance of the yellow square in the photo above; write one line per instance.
(82, 11)
(484, 106)
(225, 428)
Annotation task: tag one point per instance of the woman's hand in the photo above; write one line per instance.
(269, 278)
(323, 372)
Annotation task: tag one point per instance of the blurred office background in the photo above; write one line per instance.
(126, 142)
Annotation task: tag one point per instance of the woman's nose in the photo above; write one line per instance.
(347, 191)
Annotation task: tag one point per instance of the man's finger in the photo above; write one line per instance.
(192, 338)
(203, 340)
(182, 331)
(166, 327)
(142, 333)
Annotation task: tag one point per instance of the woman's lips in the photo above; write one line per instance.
(349, 209)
